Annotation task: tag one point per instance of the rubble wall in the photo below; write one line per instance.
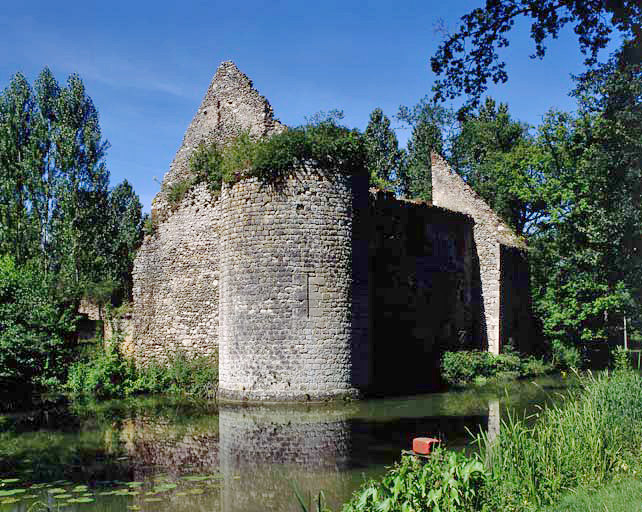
(422, 291)
(286, 290)
(489, 233)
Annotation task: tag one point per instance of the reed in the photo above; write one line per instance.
(585, 442)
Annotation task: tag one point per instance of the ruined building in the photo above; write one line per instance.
(322, 288)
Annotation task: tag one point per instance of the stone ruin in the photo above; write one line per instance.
(322, 288)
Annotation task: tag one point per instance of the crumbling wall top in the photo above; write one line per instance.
(231, 105)
(450, 191)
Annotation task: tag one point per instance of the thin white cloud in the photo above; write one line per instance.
(97, 62)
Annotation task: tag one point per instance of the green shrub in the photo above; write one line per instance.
(533, 367)
(621, 359)
(177, 190)
(196, 376)
(466, 366)
(105, 373)
(325, 147)
(36, 332)
(149, 226)
(507, 363)
(206, 165)
(566, 356)
(444, 481)
(463, 366)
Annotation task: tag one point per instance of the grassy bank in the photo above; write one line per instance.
(586, 448)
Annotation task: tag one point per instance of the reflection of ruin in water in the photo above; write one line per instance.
(272, 449)
(262, 452)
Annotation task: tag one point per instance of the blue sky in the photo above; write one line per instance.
(147, 64)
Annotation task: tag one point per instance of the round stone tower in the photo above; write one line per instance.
(285, 329)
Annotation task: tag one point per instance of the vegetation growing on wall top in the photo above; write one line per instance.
(325, 148)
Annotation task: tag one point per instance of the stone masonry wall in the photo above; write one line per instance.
(517, 326)
(421, 274)
(490, 233)
(286, 290)
(176, 272)
(176, 276)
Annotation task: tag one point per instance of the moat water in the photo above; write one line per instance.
(162, 454)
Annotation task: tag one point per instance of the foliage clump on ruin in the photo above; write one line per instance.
(325, 147)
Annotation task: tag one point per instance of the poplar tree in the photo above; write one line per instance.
(55, 205)
(428, 123)
(385, 159)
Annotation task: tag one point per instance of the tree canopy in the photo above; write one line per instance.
(469, 58)
(56, 208)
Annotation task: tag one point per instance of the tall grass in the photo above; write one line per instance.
(582, 442)
(594, 435)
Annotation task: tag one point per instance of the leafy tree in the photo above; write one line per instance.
(16, 145)
(82, 187)
(428, 122)
(55, 201)
(469, 58)
(498, 158)
(385, 160)
(35, 331)
(126, 223)
(589, 261)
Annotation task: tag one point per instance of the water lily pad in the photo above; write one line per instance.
(8, 501)
(106, 493)
(12, 492)
(82, 499)
(134, 507)
(9, 480)
(80, 488)
(181, 493)
(135, 484)
(57, 490)
(196, 478)
(152, 500)
(197, 490)
(30, 496)
(165, 487)
(63, 496)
